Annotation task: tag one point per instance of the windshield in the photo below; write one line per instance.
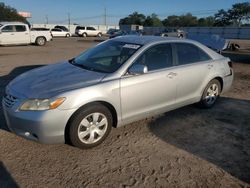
(106, 57)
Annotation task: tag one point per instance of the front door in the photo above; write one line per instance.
(152, 92)
(7, 35)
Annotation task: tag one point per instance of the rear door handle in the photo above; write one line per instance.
(171, 74)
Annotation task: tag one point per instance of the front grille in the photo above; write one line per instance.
(9, 100)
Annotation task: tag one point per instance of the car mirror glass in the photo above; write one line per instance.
(138, 69)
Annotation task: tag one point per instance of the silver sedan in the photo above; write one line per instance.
(113, 84)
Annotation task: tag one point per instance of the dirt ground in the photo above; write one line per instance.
(188, 147)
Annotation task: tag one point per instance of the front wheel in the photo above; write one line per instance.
(210, 94)
(67, 35)
(90, 126)
(40, 41)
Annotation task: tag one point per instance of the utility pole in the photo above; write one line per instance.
(46, 20)
(69, 20)
(105, 18)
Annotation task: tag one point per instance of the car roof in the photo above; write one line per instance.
(11, 23)
(143, 40)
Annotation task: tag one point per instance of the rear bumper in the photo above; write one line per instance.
(42, 126)
(228, 81)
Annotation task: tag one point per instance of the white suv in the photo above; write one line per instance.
(87, 31)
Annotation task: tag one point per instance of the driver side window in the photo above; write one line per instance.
(157, 57)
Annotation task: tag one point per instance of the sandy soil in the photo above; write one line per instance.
(188, 147)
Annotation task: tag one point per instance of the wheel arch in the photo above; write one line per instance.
(104, 103)
(221, 82)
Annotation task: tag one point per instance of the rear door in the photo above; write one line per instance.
(91, 31)
(194, 67)
(151, 92)
(22, 34)
(57, 32)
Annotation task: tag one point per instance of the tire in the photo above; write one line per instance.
(210, 94)
(181, 36)
(40, 41)
(99, 35)
(67, 35)
(86, 129)
(84, 35)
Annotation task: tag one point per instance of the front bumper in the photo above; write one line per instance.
(42, 126)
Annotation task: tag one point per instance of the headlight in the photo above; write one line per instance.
(41, 104)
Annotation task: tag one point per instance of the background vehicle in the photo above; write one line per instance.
(39, 29)
(62, 28)
(15, 33)
(87, 31)
(111, 31)
(122, 33)
(81, 99)
(173, 33)
(59, 33)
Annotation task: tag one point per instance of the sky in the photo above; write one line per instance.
(93, 11)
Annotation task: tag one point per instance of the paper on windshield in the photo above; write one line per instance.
(131, 46)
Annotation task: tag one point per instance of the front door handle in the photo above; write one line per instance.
(210, 66)
(171, 74)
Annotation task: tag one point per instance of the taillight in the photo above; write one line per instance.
(230, 63)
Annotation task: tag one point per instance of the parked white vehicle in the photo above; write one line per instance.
(15, 33)
(56, 32)
(87, 31)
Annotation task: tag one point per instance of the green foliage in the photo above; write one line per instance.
(153, 21)
(239, 12)
(134, 18)
(238, 15)
(8, 13)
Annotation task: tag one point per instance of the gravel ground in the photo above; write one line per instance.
(188, 147)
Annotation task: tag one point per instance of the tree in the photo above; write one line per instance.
(8, 13)
(188, 20)
(222, 18)
(239, 12)
(180, 21)
(172, 21)
(208, 21)
(153, 21)
(134, 18)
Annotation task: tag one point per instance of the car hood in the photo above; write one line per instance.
(51, 80)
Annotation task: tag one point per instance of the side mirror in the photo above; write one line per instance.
(138, 69)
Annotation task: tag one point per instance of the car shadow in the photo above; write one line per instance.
(6, 180)
(220, 135)
(4, 80)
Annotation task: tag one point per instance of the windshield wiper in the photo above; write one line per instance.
(72, 61)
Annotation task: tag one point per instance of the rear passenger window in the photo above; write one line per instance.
(157, 57)
(189, 53)
(20, 28)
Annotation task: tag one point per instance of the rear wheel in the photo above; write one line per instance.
(90, 126)
(210, 94)
(99, 35)
(84, 35)
(40, 41)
